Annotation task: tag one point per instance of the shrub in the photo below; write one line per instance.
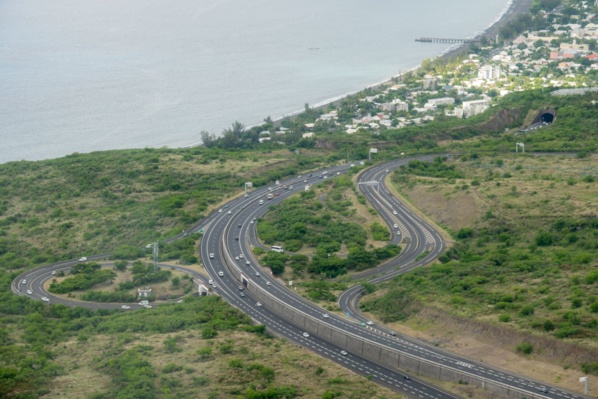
(504, 318)
(525, 348)
(527, 310)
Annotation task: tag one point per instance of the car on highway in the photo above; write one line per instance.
(147, 306)
(344, 353)
(257, 274)
(306, 335)
(361, 163)
(394, 212)
(239, 225)
(270, 189)
(214, 285)
(248, 263)
(229, 212)
(53, 272)
(268, 283)
(83, 259)
(242, 295)
(277, 194)
(241, 256)
(396, 226)
(325, 315)
(406, 377)
(220, 210)
(236, 238)
(24, 281)
(210, 282)
(259, 304)
(211, 255)
(240, 288)
(29, 292)
(369, 323)
(125, 307)
(236, 258)
(352, 165)
(221, 274)
(45, 299)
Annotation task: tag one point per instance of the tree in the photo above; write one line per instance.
(120, 265)
(208, 139)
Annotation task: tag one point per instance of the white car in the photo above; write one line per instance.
(147, 306)
(362, 163)
(306, 335)
(326, 315)
(352, 165)
(54, 272)
(45, 299)
(241, 256)
(236, 258)
(125, 307)
(83, 259)
(214, 285)
(211, 256)
(24, 282)
(369, 323)
(396, 226)
(29, 292)
(220, 210)
(344, 353)
(248, 263)
(268, 283)
(257, 274)
(221, 274)
(229, 212)
(259, 304)
(394, 212)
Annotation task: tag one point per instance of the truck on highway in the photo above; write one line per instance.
(269, 196)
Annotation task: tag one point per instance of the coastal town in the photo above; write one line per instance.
(559, 51)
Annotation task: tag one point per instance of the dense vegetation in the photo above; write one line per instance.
(121, 200)
(320, 219)
(528, 261)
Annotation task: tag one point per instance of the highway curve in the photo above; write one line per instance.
(226, 250)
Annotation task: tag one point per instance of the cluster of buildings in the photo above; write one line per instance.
(559, 56)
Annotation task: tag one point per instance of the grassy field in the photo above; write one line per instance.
(228, 366)
(525, 261)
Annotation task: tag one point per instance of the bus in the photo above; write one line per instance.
(277, 248)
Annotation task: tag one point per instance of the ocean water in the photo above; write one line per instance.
(83, 76)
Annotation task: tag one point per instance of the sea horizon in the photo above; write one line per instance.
(128, 95)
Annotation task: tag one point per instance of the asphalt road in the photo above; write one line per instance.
(230, 235)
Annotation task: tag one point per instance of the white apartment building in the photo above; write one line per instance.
(489, 72)
(471, 108)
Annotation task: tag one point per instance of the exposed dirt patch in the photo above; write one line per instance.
(427, 328)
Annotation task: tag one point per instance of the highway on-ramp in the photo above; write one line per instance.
(226, 250)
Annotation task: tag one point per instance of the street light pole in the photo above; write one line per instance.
(585, 381)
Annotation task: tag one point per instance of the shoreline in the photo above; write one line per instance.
(513, 9)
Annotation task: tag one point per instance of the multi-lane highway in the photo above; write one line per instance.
(226, 250)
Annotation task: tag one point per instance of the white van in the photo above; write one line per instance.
(143, 303)
(277, 248)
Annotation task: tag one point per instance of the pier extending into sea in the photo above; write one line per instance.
(443, 40)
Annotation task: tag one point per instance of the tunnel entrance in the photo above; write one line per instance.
(545, 116)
